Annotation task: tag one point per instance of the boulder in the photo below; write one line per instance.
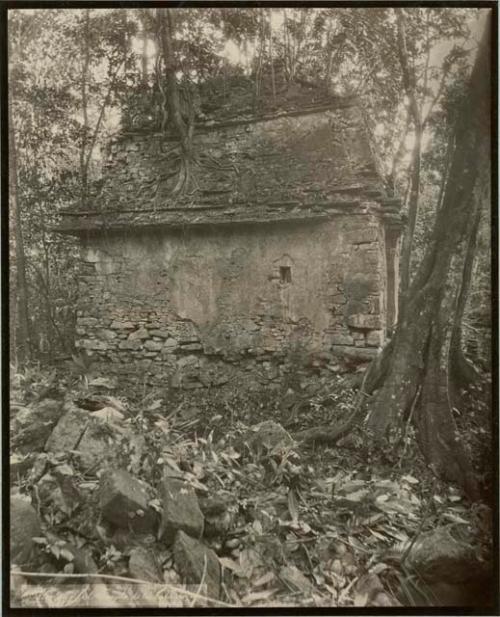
(19, 465)
(24, 526)
(78, 430)
(218, 519)
(58, 491)
(438, 556)
(268, 437)
(124, 502)
(181, 510)
(196, 562)
(143, 565)
(31, 426)
(109, 415)
(95, 445)
(68, 430)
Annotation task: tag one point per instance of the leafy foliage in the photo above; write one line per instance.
(290, 526)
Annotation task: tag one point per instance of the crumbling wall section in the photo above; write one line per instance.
(194, 308)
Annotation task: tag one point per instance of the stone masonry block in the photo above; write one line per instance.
(342, 339)
(196, 562)
(122, 325)
(375, 338)
(95, 345)
(122, 498)
(365, 322)
(138, 335)
(181, 510)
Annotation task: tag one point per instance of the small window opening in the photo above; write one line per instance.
(285, 274)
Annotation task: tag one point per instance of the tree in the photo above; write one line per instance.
(52, 156)
(409, 381)
(22, 332)
(417, 371)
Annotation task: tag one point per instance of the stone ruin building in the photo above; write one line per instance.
(282, 245)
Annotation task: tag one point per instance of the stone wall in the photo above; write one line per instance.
(292, 161)
(190, 306)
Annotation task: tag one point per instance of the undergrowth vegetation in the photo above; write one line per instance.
(291, 525)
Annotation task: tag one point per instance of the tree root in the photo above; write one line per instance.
(374, 375)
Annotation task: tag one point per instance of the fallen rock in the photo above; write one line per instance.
(58, 491)
(78, 430)
(143, 565)
(31, 426)
(124, 502)
(476, 594)
(96, 444)
(181, 510)
(68, 430)
(196, 562)
(218, 519)
(109, 415)
(367, 589)
(24, 526)
(438, 556)
(19, 465)
(268, 438)
(91, 402)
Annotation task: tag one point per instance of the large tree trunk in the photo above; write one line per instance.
(462, 372)
(416, 117)
(418, 373)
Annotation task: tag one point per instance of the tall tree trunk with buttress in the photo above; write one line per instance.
(418, 373)
(411, 374)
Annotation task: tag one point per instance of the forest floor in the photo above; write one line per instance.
(285, 524)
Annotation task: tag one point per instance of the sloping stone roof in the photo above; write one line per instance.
(302, 154)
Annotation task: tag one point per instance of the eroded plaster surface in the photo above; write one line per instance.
(229, 294)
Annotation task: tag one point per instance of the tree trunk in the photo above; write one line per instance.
(415, 114)
(462, 372)
(286, 47)
(84, 97)
(271, 59)
(418, 369)
(183, 129)
(22, 334)
(144, 50)
(173, 101)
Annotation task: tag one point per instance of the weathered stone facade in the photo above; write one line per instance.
(287, 245)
